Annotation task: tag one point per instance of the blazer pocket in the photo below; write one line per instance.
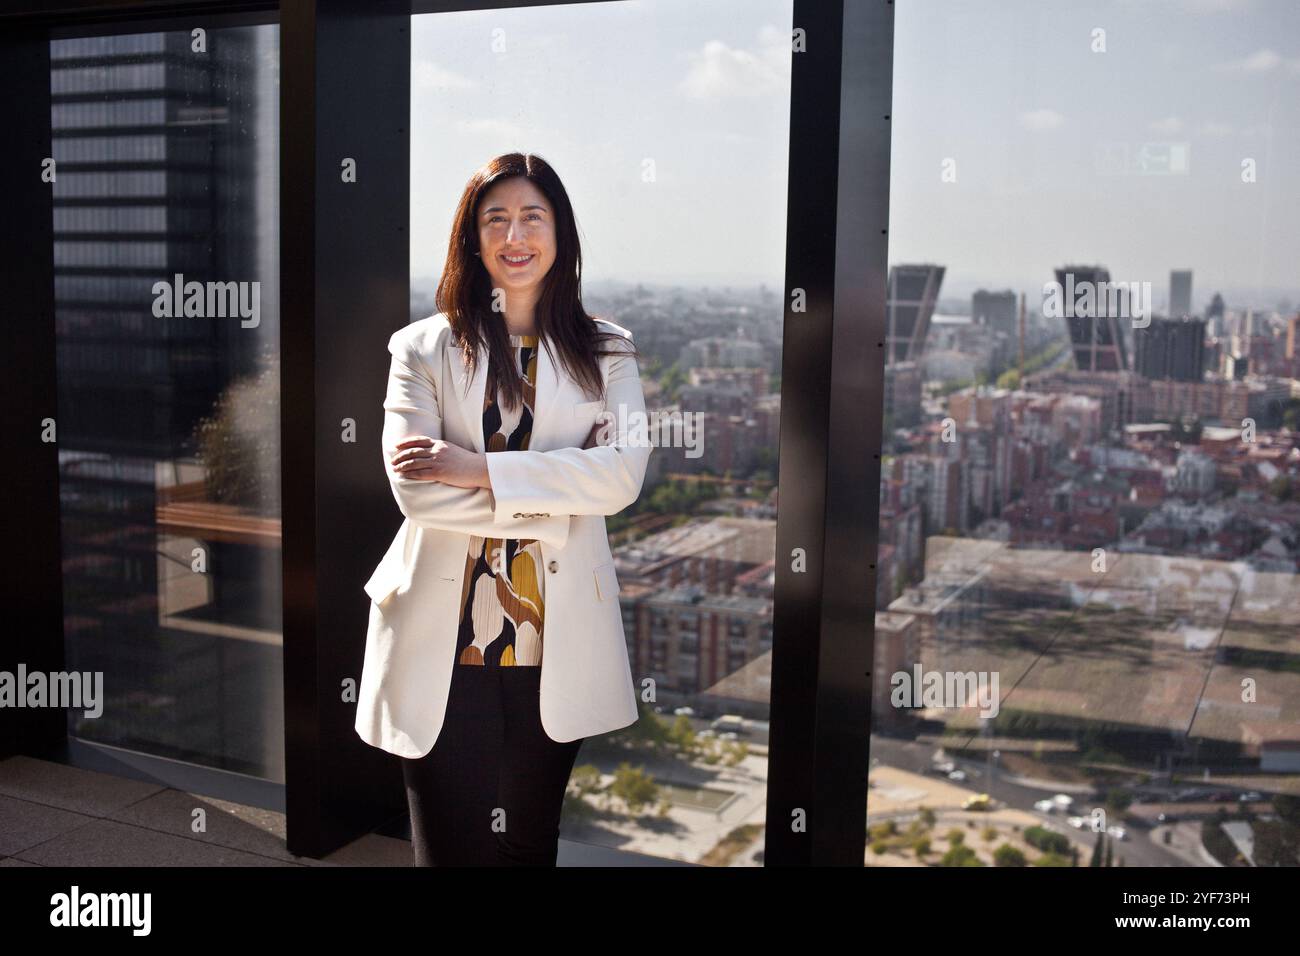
(607, 586)
(387, 578)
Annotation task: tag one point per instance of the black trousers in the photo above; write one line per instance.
(491, 790)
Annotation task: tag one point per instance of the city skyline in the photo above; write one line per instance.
(1022, 132)
(1037, 122)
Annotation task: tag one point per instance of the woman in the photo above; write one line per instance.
(514, 422)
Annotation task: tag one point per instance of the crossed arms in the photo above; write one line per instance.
(568, 481)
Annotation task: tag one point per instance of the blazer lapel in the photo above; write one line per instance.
(545, 391)
(470, 406)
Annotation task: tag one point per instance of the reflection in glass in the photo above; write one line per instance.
(1089, 514)
(168, 426)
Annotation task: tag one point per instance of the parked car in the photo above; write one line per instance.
(958, 775)
(684, 712)
(1250, 796)
(730, 723)
(1164, 817)
(945, 767)
(1078, 823)
(1119, 833)
(1045, 806)
(1063, 801)
(979, 801)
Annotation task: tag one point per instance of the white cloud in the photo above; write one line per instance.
(1261, 61)
(1167, 126)
(1041, 119)
(719, 71)
(429, 76)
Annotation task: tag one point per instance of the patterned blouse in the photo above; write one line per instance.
(502, 598)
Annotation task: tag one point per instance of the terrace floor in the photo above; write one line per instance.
(54, 814)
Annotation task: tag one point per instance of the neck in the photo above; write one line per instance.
(519, 312)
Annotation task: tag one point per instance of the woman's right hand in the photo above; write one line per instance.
(431, 459)
(593, 436)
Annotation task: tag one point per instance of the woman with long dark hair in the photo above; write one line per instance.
(514, 422)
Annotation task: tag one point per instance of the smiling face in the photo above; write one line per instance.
(516, 235)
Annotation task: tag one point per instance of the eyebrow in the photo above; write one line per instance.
(503, 209)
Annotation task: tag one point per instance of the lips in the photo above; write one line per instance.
(515, 262)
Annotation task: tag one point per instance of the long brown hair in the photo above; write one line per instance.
(465, 290)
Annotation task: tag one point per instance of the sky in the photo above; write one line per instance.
(1044, 134)
(701, 89)
(1012, 91)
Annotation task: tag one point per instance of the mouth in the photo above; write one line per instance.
(516, 262)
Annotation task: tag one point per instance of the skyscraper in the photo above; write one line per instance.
(997, 310)
(1180, 293)
(169, 426)
(1097, 338)
(913, 292)
(1170, 349)
(1214, 315)
(156, 176)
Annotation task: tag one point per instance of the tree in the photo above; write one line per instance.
(1097, 850)
(1008, 855)
(673, 378)
(1291, 415)
(960, 855)
(634, 787)
(239, 443)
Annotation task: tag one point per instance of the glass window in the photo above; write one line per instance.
(1088, 616)
(168, 419)
(668, 123)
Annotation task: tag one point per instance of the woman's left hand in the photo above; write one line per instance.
(431, 459)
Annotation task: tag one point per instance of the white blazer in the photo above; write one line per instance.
(556, 492)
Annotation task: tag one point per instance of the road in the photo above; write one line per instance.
(1137, 850)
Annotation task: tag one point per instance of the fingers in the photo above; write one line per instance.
(423, 441)
(416, 469)
(411, 454)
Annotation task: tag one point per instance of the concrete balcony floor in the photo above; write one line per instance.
(53, 814)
